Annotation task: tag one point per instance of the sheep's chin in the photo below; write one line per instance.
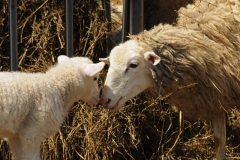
(117, 106)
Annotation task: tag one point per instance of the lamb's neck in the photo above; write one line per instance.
(69, 87)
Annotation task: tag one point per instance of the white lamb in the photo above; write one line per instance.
(33, 105)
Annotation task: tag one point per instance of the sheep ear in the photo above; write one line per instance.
(151, 57)
(62, 59)
(92, 69)
(105, 60)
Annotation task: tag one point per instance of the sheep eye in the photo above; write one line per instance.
(95, 78)
(133, 65)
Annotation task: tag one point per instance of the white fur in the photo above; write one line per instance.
(202, 49)
(33, 105)
(121, 80)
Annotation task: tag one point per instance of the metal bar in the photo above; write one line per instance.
(125, 21)
(136, 16)
(136, 26)
(13, 35)
(107, 9)
(69, 27)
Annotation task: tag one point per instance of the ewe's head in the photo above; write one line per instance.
(86, 74)
(128, 73)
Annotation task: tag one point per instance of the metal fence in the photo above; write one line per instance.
(13, 31)
(132, 23)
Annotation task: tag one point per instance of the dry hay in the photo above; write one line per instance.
(144, 129)
(41, 31)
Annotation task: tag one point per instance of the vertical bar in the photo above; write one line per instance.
(125, 21)
(69, 27)
(107, 9)
(136, 16)
(13, 34)
(136, 26)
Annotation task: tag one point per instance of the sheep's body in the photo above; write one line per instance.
(195, 64)
(209, 56)
(33, 105)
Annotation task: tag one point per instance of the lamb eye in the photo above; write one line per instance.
(133, 65)
(95, 78)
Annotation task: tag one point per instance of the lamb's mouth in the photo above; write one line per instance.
(93, 101)
(116, 106)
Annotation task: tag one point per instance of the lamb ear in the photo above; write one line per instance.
(105, 60)
(62, 59)
(92, 69)
(151, 57)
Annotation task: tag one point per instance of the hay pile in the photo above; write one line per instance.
(144, 129)
(41, 30)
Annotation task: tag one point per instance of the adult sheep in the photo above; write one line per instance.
(195, 64)
(33, 105)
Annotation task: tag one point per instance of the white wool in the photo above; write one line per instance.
(33, 105)
(194, 64)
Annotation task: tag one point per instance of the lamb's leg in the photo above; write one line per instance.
(15, 147)
(31, 141)
(219, 131)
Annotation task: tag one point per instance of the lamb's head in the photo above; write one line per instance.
(87, 74)
(128, 73)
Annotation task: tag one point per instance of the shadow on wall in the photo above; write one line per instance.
(162, 11)
(155, 12)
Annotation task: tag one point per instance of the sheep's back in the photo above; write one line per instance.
(217, 19)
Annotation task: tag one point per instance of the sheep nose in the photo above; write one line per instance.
(105, 102)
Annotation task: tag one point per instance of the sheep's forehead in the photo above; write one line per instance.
(124, 53)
